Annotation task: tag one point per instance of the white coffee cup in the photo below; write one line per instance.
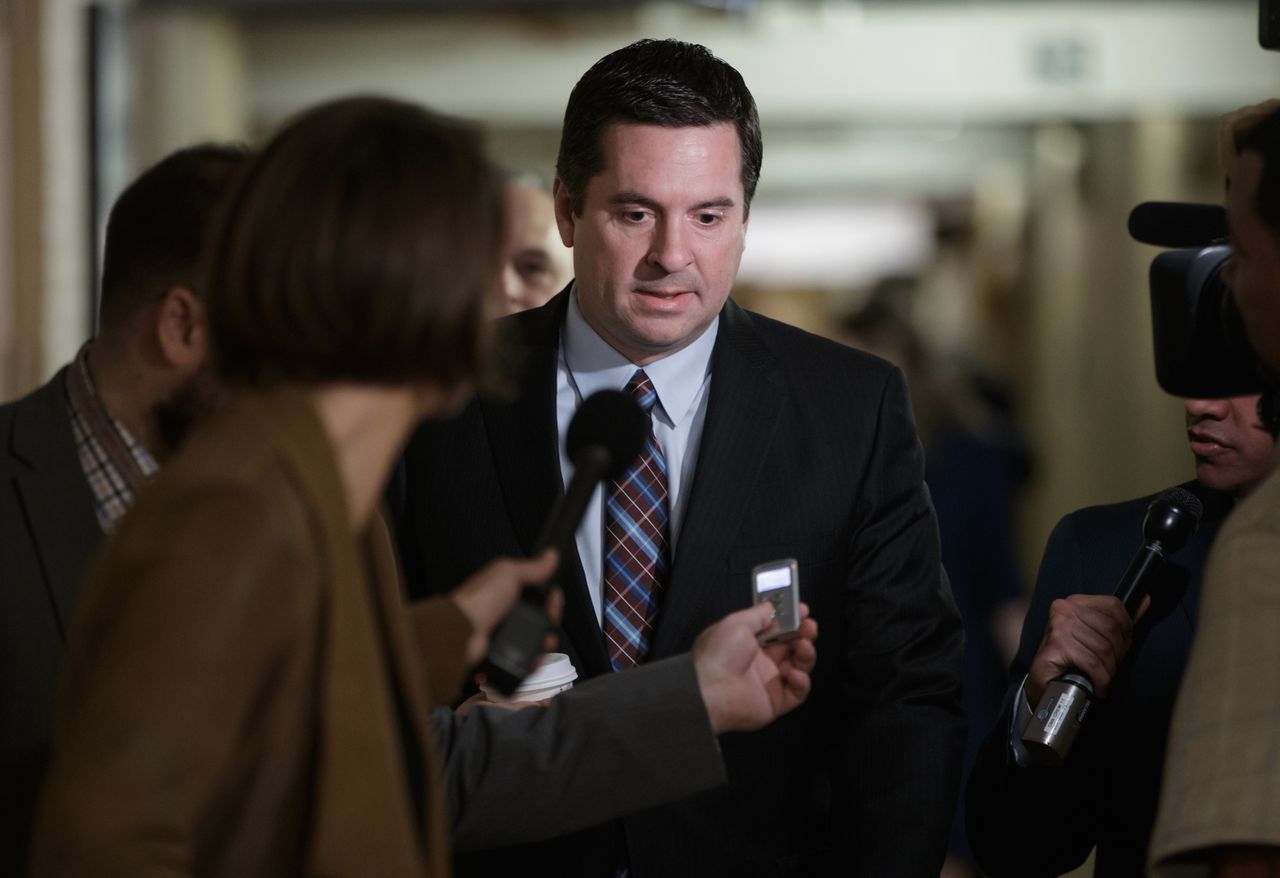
(553, 676)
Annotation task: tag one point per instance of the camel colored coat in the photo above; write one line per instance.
(245, 693)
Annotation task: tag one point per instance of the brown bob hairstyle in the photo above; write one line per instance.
(361, 244)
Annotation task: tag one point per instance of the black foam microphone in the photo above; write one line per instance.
(1177, 224)
(1171, 520)
(604, 438)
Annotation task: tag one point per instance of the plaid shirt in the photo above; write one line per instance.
(115, 464)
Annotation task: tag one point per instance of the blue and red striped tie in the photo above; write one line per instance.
(636, 556)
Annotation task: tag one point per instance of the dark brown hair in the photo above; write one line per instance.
(360, 245)
(655, 82)
(157, 228)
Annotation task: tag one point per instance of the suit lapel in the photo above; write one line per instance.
(524, 439)
(55, 496)
(522, 431)
(747, 398)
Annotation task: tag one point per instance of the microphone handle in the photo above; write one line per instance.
(517, 641)
(1061, 712)
(1132, 587)
(591, 466)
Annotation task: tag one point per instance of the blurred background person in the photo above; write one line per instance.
(1217, 814)
(972, 468)
(537, 265)
(75, 454)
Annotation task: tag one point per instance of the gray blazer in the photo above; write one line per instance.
(48, 532)
(608, 747)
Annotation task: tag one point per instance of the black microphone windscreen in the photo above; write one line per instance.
(1183, 499)
(1177, 224)
(1172, 518)
(609, 419)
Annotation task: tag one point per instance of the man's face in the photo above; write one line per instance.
(1232, 448)
(536, 265)
(1254, 268)
(658, 243)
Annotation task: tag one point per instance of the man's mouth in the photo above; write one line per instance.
(1205, 444)
(662, 294)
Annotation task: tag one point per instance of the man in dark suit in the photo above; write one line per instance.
(1027, 821)
(74, 453)
(766, 443)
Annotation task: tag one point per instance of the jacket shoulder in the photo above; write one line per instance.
(811, 356)
(36, 425)
(1125, 517)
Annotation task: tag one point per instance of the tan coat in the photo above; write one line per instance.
(244, 690)
(1222, 772)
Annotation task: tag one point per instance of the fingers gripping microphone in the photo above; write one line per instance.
(604, 438)
(1170, 521)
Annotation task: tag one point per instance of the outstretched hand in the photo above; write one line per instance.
(746, 686)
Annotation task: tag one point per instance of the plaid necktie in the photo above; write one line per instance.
(635, 543)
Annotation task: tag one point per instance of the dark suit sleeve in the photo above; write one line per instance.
(902, 735)
(608, 747)
(1028, 822)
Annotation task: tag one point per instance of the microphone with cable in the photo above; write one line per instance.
(1170, 522)
(604, 438)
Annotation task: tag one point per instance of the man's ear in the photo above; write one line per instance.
(181, 332)
(564, 211)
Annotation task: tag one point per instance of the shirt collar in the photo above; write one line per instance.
(134, 461)
(595, 366)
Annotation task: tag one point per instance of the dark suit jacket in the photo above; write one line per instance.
(48, 531)
(1029, 822)
(808, 451)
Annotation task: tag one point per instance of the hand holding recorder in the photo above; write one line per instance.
(744, 685)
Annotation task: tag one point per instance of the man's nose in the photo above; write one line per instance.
(669, 248)
(1213, 409)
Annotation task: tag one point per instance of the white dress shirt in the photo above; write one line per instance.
(588, 364)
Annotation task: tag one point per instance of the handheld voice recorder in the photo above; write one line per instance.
(778, 582)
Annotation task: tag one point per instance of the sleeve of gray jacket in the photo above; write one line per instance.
(608, 747)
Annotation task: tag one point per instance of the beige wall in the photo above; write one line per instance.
(1103, 429)
(44, 292)
(21, 203)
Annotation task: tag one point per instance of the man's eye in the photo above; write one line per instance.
(532, 267)
(708, 219)
(635, 216)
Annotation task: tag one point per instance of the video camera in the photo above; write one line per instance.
(1201, 348)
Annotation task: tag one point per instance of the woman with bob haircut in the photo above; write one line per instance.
(245, 624)
(245, 693)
